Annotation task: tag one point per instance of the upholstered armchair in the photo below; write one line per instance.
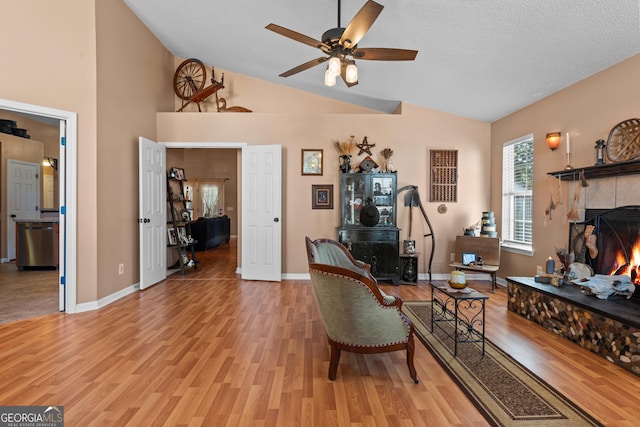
(357, 316)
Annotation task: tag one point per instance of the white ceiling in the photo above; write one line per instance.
(481, 59)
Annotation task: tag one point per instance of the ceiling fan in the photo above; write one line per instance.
(341, 47)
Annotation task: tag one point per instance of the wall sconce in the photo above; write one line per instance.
(553, 140)
(51, 162)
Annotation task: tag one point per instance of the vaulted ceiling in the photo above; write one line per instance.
(481, 59)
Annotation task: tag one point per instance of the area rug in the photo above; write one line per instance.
(505, 392)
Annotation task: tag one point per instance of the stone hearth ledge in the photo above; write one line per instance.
(609, 328)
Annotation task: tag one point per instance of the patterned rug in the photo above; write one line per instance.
(504, 391)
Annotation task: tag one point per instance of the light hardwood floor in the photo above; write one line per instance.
(210, 349)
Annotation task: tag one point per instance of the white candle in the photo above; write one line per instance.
(568, 144)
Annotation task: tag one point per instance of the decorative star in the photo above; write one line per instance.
(365, 147)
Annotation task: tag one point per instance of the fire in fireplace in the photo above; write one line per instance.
(628, 267)
(618, 242)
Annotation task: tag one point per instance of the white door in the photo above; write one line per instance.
(153, 212)
(261, 212)
(23, 197)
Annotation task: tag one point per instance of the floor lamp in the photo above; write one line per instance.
(412, 199)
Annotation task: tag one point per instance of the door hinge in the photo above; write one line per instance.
(63, 210)
(63, 140)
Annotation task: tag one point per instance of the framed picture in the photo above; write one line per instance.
(322, 196)
(178, 173)
(468, 258)
(311, 162)
(172, 234)
(182, 235)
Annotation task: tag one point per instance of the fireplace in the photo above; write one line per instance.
(618, 242)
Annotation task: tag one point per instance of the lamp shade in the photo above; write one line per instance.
(334, 66)
(553, 140)
(329, 78)
(351, 73)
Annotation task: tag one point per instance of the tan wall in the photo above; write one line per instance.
(261, 96)
(52, 50)
(134, 82)
(98, 61)
(588, 110)
(410, 135)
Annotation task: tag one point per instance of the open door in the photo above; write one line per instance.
(261, 212)
(153, 212)
(23, 197)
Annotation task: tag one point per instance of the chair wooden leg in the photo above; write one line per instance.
(412, 368)
(335, 359)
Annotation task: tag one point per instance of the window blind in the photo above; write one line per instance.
(517, 192)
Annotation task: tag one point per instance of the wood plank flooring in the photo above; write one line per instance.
(210, 349)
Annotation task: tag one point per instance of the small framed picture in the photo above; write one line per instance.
(322, 196)
(172, 235)
(468, 258)
(182, 236)
(178, 173)
(311, 162)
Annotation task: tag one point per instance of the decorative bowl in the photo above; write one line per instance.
(458, 285)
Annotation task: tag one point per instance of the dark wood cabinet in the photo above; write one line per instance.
(377, 245)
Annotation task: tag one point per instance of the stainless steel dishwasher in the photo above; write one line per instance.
(36, 245)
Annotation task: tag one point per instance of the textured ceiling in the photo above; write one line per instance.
(481, 59)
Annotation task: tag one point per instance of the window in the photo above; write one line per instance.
(517, 194)
(208, 199)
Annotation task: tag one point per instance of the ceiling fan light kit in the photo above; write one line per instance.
(334, 65)
(329, 78)
(341, 45)
(352, 72)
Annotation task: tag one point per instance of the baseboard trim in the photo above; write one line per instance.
(421, 276)
(95, 305)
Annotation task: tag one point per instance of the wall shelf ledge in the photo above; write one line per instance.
(599, 171)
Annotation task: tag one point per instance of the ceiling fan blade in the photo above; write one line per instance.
(360, 24)
(385, 54)
(304, 66)
(297, 36)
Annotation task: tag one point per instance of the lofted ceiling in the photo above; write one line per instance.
(481, 59)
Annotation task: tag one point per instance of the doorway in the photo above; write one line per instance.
(264, 186)
(67, 169)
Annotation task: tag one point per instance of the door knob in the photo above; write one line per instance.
(275, 220)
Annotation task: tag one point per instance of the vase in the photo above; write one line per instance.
(345, 163)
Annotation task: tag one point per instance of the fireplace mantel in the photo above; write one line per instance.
(600, 171)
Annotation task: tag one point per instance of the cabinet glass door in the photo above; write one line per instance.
(352, 198)
(383, 194)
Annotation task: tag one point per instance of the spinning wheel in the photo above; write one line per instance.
(624, 141)
(189, 78)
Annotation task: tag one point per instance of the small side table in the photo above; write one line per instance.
(409, 268)
(462, 310)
